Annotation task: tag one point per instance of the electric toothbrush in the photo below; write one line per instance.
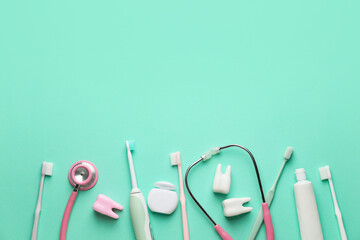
(138, 208)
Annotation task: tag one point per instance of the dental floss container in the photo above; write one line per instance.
(163, 199)
(308, 214)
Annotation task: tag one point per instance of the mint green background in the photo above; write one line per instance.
(78, 78)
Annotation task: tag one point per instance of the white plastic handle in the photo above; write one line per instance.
(38, 210)
(140, 216)
(337, 212)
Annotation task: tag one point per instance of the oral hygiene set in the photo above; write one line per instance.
(163, 198)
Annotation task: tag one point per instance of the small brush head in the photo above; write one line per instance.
(47, 168)
(325, 173)
(288, 153)
(175, 158)
(131, 144)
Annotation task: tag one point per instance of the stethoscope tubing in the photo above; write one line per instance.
(89, 182)
(223, 234)
(65, 220)
(201, 158)
(255, 166)
(192, 195)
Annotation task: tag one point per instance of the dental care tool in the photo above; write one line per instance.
(325, 174)
(267, 216)
(105, 206)
(222, 182)
(83, 175)
(307, 210)
(176, 160)
(163, 199)
(138, 208)
(234, 206)
(47, 169)
(269, 196)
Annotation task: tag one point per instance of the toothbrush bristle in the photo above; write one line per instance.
(288, 153)
(131, 145)
(174, 158)
(325, 173)
(47, 168)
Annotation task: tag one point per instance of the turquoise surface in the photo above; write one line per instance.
(78, 78)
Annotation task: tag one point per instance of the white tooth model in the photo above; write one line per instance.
(222, 181)
(234, 206)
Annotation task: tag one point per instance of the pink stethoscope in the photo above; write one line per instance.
(265, 207)
(83, 175)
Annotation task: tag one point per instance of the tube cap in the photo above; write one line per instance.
(300, 174)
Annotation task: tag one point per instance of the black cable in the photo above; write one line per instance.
(255, 166)
(190, 193)
(198, 161)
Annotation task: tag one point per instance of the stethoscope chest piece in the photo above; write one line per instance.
(84, 174)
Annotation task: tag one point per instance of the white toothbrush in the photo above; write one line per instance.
(47, 169)
(138, 208)
(326, 174)
(269, 196)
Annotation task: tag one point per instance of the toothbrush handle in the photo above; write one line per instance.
(65, 220)
(257, 225)
(224, 235)
(337, 211)
(183, 205)
(269, 197)
(341, 226)
(37, 210)
(35, 226)
(185, 221)
(268, 222)
(260, 217)
(140, 216)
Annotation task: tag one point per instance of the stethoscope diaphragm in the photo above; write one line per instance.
(84, 174)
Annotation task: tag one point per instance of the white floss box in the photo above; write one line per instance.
(163, 199)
